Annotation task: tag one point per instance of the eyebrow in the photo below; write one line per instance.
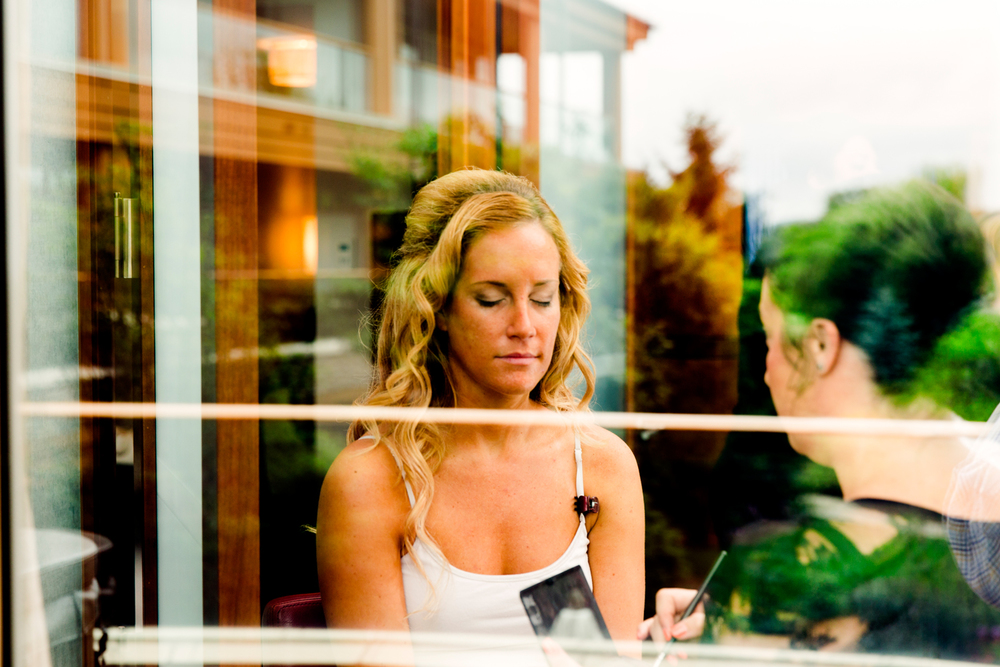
(498, 283)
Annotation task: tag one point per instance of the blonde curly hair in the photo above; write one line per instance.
(411, 368)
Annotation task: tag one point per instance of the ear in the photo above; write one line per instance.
(822, 345)
(441, 320)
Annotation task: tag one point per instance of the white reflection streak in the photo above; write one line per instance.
(648, 421)
(268, 646)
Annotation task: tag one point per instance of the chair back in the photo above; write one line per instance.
(304, 610)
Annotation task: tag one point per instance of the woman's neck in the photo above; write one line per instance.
(913, 471)
(473, 395)
(491, 439)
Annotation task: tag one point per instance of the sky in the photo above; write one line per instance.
(818, 97)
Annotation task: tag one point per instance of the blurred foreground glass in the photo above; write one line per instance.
(282, 143)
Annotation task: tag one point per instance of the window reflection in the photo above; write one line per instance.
(272, 149)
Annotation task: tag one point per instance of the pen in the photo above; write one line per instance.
(690, 608)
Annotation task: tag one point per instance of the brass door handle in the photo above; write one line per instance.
(126, 236)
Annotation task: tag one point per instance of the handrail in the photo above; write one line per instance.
(264, 646)
(646, 421)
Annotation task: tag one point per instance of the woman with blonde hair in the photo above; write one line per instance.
(436, 528)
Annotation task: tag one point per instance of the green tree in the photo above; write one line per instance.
(685, 255)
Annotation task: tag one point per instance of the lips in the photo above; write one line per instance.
(519, 358)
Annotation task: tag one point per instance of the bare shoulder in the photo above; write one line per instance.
(607, 458)
(363, 480)
(616, 531)
(359, 538)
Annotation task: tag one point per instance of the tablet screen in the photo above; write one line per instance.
(563, 606)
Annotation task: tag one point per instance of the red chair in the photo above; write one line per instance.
(304, 610)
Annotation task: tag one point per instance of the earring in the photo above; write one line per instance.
(819, 367)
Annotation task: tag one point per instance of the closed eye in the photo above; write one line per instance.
(488, 304)
(542, 303)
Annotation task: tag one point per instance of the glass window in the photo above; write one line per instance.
(789, 217)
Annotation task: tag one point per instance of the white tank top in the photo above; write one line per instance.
(467, 602)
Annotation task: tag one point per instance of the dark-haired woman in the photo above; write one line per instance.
(862, 313)
(866, 313)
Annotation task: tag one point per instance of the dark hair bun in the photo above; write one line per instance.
(895, 270)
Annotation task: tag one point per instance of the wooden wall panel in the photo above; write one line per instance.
(467, 52)
(111, 120)
(94, 343)
(520, 33)
(304, 141)
(381, 29)
(145, 449)
(236, 321)
(283, 137)
(104, 30)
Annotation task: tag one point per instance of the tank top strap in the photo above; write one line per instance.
(402, 473)
(578, 453)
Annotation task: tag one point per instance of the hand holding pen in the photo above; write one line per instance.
(668, 603)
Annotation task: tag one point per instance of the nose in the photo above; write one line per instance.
(521, 325)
